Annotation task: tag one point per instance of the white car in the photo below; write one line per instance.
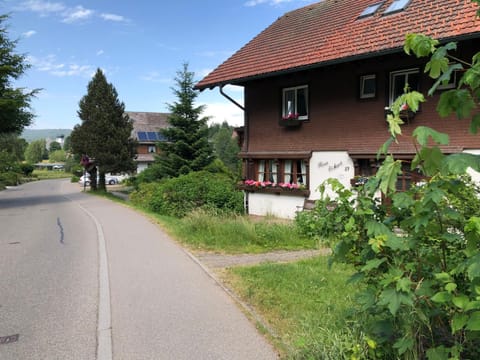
(109, 180)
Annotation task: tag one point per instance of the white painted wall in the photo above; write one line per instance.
(281, 206)
(329, 164)
(323, 165)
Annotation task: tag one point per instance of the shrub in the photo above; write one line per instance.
(27, 169)
(179, 196)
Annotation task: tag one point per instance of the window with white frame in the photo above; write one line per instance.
(152, 149)
(401, 80)
(267, 171)
(295, 103)
(368, 86)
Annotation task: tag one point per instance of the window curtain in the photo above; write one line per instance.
(288, 172)
(261, 170)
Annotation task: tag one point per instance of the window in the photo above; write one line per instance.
(267, 171)
(371, 9)
(368, 86)
(282, 171)
(397, 5)
(399, 80)
(152, 149)
(295, 103)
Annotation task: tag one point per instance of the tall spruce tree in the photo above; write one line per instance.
(15, 112)
(105, 132)
(186, 147)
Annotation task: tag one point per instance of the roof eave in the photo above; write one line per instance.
(243, 80)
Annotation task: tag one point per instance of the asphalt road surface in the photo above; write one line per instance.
(84, 278)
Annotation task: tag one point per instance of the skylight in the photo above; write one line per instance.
(371, 9)
(397, 5)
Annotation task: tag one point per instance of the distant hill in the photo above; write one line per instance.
(37, 134)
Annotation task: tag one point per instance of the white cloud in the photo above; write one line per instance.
(100, 52)
(220, 112)
(156, 77)
(42, 7)
(29, 33)
(50, 65)
(113, 17)
(78, 13)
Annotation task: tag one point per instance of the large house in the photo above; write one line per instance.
(317, 83)
(146, 127)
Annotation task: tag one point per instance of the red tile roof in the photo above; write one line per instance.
(330, 31)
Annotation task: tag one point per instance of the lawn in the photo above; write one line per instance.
(308, 306)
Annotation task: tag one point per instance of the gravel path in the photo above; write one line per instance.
(218, 261)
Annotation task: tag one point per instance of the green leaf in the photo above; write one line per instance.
(445, 78)
(474, 321)
(373, 264)
(430, 160)
(442, 297)
(475, 124)
(458, 322)
(394, 123)
(459, 102)
(419, 44)
(402, 200)
(473, 271)
(413, 100)
(423, 134)
(384, 148)
(461, 301)
(443, 277)
(458, 164)
(388, 173)
(451, 287)
(473, 305)
(404, 284)
(438, 353)
(403, 344)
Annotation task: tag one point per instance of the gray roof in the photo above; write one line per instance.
(148, 121)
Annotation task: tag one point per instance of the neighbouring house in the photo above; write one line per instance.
(146, 127)
(317, 83)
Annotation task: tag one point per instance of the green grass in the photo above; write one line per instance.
(50, 174)
(307, 305)
(237, 234)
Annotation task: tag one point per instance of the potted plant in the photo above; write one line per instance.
(290, 120)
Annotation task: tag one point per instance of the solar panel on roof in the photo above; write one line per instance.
(142, 135)
(397, 5)
(152, 136)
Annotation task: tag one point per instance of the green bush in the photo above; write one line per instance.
(179, 196)
(27, 169)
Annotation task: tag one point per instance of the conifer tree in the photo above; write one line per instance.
(105, 132)
(186, 147)
(14, 102)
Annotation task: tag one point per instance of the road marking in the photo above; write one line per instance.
(104, 321)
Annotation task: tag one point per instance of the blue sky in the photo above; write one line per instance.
(139, 44)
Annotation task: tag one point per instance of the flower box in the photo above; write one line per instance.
(287, 122)
(272, 188)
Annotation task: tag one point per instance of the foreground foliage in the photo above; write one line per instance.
(179, 196)
(419, 257)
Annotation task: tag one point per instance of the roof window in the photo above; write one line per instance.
(371, 9)
(397, 5)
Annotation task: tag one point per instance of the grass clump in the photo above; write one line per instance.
(214, 231)
(307, 304)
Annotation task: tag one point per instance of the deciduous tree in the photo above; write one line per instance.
(15, 112)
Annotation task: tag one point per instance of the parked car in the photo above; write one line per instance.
(109, 180)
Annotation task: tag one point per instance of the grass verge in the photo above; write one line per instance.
(204, 231)
(307, 305)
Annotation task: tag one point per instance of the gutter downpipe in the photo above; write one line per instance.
(245, 121)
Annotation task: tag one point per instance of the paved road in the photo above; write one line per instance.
(155, 301)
